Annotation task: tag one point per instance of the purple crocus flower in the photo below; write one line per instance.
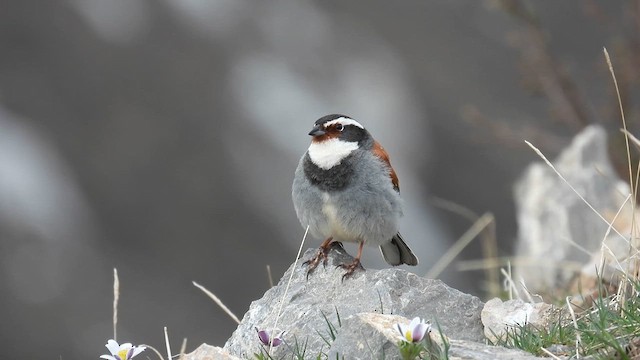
(267, 340)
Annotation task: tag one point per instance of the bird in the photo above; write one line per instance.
(345, 190)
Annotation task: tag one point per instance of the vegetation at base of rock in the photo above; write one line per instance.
(533, 339)
(610, 328)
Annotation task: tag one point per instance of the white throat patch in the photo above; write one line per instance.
(331, 152)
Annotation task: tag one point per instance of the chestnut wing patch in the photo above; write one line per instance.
(381, 153)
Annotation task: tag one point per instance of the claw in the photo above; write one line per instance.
(321, 255)
(312, 263)
(351, 268)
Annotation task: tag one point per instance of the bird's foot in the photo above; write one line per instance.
(321, 256)
(351, 268)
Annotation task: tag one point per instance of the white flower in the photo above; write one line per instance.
(415, 331)
(125, 351)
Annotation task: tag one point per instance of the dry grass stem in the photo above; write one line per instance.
(528, 293)
(459, 245)
(632, 266)
(624, 122)
(183, 348)
(218, 302)
(166, 341)
(571, 242)
(634, 140)
(575, 325)
(604, 245)
(626, 135)
(511, 286)
(635, 235)
(523, 261)
(154, 350)
(488, 241)
(455, 208)
(286, 289)
(116, 298)
(269, 276)
(549, 353)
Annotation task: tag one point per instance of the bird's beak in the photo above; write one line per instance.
(316, 131)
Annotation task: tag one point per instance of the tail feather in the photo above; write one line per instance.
(396, 252)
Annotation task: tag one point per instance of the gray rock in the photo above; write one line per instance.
(498, 316)
(551, 217)
(310, 305)
(373, 336)
(367, 336)
(208, 352)
(461, 349)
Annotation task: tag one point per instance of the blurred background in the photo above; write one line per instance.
(160, 138)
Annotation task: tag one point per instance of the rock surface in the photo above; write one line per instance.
(368, 336)
(372, 336)
(461, 349)
(208, 352)
(310, 305)
(552, 218)
(499, 316)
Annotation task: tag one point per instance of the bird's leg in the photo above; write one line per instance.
(321, 255)
(354, 265)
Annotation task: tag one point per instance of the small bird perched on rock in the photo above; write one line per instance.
(345, 190)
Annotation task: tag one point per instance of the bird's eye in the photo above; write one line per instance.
(339, 127)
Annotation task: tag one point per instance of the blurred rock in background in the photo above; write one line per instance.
(160, 138)
(558, 231)
(568, 244)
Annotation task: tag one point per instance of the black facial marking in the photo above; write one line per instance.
(350, 133)
(333, 179)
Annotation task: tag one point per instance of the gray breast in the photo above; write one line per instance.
(353, 201)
